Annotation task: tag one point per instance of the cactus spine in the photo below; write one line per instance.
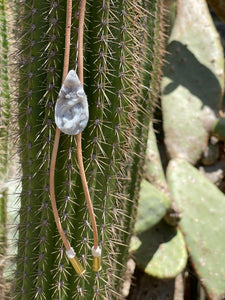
(118, 58)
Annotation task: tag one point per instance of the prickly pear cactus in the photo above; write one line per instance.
(158, 249)
(192, 89)
(119, 48)
(153, 167)
(202, 205)
(152, 207)
(191, 63)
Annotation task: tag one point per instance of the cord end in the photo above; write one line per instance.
(77, 266)
(96, 263)
(96, 259)
(75, 262)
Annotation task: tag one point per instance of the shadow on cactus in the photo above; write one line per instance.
(158, 249)
(180, 71)
(162, 252)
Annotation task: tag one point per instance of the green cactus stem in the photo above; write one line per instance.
(119, 46)
(3, 240)
(4, 143)
(4, 94)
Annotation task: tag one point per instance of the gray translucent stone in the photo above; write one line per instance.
(71, 110)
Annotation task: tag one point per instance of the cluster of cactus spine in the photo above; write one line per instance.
(118, 50)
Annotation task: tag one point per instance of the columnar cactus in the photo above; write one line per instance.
(4, 93)
(118, 50)
(4, 137)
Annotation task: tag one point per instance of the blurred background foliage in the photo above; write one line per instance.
(179, 244)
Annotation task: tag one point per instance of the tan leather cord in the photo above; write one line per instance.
(79, 143)
(86, 191)
(57, 134)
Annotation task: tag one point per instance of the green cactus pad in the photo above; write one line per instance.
(153, 205)
(154, 170)
(203, 223)
(161, 251)
(188, 103)
(219, 129)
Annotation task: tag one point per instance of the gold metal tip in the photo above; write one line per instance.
(77, 265)
(96, 263)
